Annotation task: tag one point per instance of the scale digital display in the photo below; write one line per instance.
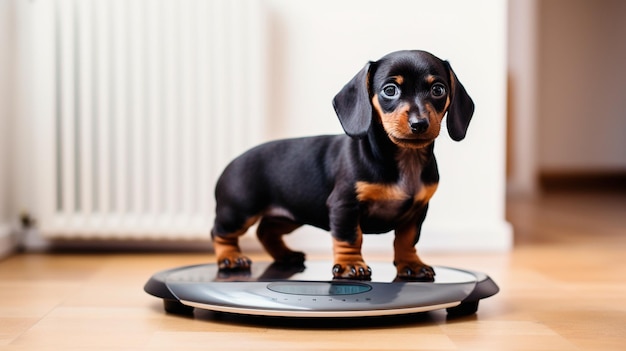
(319, 288)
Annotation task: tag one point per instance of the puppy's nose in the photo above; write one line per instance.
(419, 125)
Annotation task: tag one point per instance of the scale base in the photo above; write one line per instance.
(308, 291)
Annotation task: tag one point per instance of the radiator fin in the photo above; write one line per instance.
(151, 99)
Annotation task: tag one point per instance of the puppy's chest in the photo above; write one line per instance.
(390, 200)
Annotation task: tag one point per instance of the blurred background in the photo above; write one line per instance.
(116, 117)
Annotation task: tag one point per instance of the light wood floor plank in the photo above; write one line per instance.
(563, 287)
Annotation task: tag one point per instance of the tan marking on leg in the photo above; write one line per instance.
(407, 262)
(404, 250)
(349, 262)
(227, 247)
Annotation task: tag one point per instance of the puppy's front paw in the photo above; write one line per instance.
(415, 272)
(234, 263)
(352, 270)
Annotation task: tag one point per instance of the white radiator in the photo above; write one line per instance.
(139, 106)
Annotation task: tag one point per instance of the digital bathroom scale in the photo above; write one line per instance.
(270, 289)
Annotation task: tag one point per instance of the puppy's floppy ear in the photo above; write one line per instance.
(352, 104)
(461, 108)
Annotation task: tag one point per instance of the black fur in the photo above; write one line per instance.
(312, 180)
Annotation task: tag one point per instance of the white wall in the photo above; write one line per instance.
(522, 86)
(567, 65)
(317, 46)
(582, 96)
(7, 48)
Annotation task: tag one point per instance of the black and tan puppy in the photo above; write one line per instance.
(377, 178)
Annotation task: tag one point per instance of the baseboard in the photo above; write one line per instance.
(441, 238)
(468, 237)
(479, 237)
(7, 241)
(611, 180)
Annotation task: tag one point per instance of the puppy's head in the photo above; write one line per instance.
(408, 93)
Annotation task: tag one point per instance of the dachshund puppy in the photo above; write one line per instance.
(377, 178)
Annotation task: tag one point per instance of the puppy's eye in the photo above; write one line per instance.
(391, 91)
(438, 90)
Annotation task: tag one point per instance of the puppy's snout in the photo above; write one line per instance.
(418, 125)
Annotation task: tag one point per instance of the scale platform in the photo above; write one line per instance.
(271, 289)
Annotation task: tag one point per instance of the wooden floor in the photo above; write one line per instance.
(563, 287)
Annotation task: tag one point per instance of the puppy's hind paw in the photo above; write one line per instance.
(239, 263)
(291, 258)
